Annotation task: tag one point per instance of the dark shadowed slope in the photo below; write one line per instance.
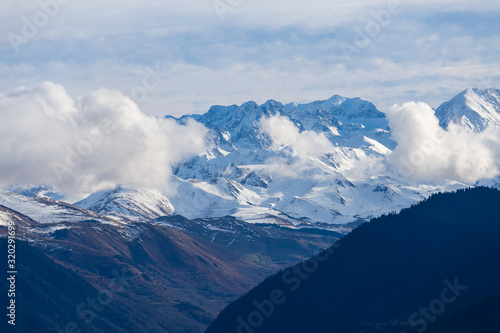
(49, 294)
(176, 280)
(442, 254)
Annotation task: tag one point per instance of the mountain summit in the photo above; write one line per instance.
(475, 109)
(338, 118)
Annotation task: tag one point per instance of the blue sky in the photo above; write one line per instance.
(290, 51)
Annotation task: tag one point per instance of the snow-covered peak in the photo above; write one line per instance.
(46, 210)
(358, 108)
(338, 107)
(36, 191)
(237, 127)
(137, 204)
(249, 106)
(475, 109)
(272, 105)
(336, 99)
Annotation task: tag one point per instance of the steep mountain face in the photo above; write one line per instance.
(404, 271)
(243, 176)
(9, 216)
(248, 207)
(281, 182)
(339, 118)
(174, 274)
(237, 127)
(474, 109)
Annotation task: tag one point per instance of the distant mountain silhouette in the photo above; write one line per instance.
(433, 267)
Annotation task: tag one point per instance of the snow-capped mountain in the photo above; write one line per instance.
(245, 174)
(46, 210)
(129, 203)
(251, 179)
(36, 191)
(339, 118)
(248, 205)
(493, 183)
(168, 268)
(9, 216)
(475, 109)
(241, 175)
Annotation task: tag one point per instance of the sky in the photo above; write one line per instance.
(175, 58)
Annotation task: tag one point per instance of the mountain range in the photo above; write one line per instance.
(250, 175)
(253, 203)
(253, 175)
(179, 273)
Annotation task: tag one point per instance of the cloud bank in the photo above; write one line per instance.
(427, 152)
(283, 132)
(303, 154)
(103, 139)
(97, 141)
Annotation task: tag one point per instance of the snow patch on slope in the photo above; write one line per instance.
(45, 210)
(136, 204)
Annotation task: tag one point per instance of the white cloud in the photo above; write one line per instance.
(427, 152)
(302, 154)
(283, 132)
(101, 140)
